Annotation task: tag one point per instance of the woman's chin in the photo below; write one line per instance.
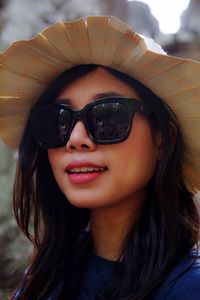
(88, 202)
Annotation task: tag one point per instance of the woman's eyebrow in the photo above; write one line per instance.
(106, 94)
(96, 97)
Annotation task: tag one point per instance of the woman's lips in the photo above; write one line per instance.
(83, 177)
(80, 178)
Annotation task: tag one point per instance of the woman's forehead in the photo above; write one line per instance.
(97, 96)
(97, 84)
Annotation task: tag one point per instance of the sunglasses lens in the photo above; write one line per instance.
(109, 122)
(64, 124)
(51, 126)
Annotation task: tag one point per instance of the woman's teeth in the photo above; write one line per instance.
(85, 170)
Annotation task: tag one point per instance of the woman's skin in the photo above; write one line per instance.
(115, 196)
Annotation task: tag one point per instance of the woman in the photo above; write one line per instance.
(108, 163)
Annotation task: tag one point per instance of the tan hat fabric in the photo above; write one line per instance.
(27, 67)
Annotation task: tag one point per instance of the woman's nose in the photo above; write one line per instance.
(79, 139)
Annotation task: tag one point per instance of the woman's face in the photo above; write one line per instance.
(129, 164)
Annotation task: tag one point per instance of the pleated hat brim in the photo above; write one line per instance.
(27, 68)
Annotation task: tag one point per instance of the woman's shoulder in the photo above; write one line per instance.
(184, 280)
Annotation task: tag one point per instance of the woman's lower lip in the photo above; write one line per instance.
(83, 177)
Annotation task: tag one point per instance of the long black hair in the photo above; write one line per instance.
(168, 226)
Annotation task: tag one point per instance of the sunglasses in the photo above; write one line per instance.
(107, 121)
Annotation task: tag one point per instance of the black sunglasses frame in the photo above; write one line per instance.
(133, 105)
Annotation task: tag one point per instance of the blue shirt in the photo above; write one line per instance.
(175, 287)
(97, 273)
(185, 287)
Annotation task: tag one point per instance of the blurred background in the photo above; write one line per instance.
(173, 24)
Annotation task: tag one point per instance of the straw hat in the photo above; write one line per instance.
(27, 67)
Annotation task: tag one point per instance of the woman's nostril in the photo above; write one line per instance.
(84, 146)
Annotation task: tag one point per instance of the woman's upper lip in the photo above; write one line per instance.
(82, 163)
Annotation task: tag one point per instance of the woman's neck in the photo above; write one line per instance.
(109, 227)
